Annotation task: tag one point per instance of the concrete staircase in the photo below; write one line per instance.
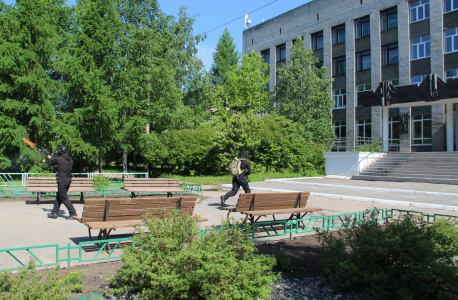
(432, 167)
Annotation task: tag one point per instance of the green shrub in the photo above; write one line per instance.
(370, 147)
(404, 258)
(283, 261)
(28, 284)
(74, 280)
(101, 182)
(172, 261)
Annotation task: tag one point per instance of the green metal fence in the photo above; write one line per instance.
(86, 249)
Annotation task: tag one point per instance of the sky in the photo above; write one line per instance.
(210, 14)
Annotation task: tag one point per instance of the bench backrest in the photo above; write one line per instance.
(268, 201)
(98, 210)
(51, 182)
(151, 182)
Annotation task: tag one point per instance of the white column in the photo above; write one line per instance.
(385, 127)
(449, 124)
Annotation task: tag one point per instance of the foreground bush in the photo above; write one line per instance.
(28, 284)
(404, 258)
(172, 261)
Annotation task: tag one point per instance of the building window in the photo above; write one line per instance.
(338, 66)
(363, 27)
(364, 131)
(319, 64)
(451, 74)
(450, 5)
(317, 41)
(421, 47)
(451, 40)
(394, 82)
(422, 130)
(266, 58)
(393, 131)
(340, 98)
(419, 10)
(363, 60)
(389, 18)
(338, 34)
(340, 129)
(281, 52)
(418, 79)
(390, 54)
(363, 88)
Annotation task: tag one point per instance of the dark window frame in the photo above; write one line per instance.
(386, 50)
(337, 66)
(360, 27)
(385, 18)
(336, 34)
(359, 60)
(319, 64)
(266, 54)
(281, 52)
(315, 38)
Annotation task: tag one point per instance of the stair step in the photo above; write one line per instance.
(405, 179)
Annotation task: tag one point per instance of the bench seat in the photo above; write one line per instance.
(49, 185)
(257, 205)
(152, 185)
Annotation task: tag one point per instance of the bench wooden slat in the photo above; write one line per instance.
(140, 200)
(280, 211)
(153, 190)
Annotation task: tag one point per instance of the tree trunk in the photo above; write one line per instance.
(100, 152)
(124, 161)
(81, 163)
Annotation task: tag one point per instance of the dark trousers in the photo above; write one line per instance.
(61, 197)
(238, 182)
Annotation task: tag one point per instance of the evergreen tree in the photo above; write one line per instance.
(89, 62)
(303, 94)
(225, 57)
(30, 33)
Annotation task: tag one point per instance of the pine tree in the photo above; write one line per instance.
(303, 94)
(30, 33)
(225, 57)
(89, 62)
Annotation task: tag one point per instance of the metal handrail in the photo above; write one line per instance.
(357, 164)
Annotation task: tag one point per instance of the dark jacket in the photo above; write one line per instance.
(64, 164)
(245, 165)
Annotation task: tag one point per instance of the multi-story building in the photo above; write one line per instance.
(363, 43)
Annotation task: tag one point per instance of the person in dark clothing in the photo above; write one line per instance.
(241, 180)
(64, 164)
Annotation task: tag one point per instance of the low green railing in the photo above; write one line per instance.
(263, 230)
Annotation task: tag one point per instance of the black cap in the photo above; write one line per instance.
(62, 149)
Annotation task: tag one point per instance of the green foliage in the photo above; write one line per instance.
(370, 147)
(303, 94)
(273, 142)
(244, 87)
(173, 261)
(404, 258)
(28, 284)
(225, 57)
(283, 261)
(73, 280)
(101, 182)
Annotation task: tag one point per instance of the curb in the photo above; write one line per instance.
(354, 198)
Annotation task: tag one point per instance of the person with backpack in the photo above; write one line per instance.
(239, 168)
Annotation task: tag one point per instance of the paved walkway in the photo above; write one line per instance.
(23, 223)
(418, 195)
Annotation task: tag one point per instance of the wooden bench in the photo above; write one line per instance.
(108, 214)
(49, 185)
(152, 185)
(256, 205)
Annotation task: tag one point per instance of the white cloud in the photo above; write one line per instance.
(204, 52)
